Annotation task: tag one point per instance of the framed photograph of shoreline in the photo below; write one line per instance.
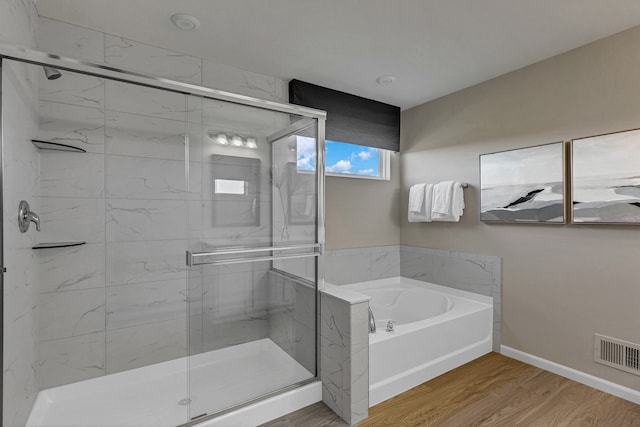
(525, 185)
(606, 179)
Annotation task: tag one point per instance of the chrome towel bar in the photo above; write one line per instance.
(277, 253)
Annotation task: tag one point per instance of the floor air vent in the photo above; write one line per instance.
(617, 354)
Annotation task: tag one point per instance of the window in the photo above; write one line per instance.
(229, 186)
(345, 160)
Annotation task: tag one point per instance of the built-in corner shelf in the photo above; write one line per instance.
(47, 145)
(57, 245)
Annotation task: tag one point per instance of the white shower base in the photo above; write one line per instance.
(151, 396)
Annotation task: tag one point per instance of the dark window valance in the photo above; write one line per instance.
(351, 119)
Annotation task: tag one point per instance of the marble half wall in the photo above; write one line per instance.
(344, 352)
(481, 274)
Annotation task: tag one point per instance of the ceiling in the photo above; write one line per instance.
(432, 47)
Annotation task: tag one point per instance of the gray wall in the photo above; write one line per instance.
(21, 161)
(560, 284)
(362, 213)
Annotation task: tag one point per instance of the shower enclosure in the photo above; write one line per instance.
(175, 273)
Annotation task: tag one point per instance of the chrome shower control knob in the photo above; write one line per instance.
(26, 217)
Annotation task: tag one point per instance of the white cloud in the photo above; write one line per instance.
(305, 152)
(365, 155)
(304, 163)
(306, 146)
(366, 172)
(341, 166)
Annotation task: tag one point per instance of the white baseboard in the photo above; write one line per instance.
(618, 390)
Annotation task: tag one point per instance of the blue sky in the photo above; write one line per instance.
(340, 158)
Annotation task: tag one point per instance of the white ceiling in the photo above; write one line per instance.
(433, 47)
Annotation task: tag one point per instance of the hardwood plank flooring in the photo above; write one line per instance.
(492, 390)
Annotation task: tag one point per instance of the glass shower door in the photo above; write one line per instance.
(252, 255)
(102, 162)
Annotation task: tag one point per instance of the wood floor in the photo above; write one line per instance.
(494, 391)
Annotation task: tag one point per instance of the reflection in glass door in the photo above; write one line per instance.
(253, 251)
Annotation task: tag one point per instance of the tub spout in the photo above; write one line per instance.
(372, 322)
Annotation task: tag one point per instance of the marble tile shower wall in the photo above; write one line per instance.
(118, 302)
(78, 42)
(228, 305)
(18, 20)
(291, 315)
(481, 274)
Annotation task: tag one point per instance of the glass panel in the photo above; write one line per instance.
(112, 314)
(251, 324)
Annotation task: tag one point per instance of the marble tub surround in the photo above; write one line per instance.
(344, 352)
(481, 274)
(345, 266)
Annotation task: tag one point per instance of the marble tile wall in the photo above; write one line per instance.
(228, 305)
(18, 20)
(82, 43)
(344, 266)
(138, 212)
(481, 274)
(344, 357)
(118, 302)
(291, 317)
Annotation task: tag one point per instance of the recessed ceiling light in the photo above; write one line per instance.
(385, 80)
(185, 22)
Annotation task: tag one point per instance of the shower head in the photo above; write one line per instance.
(51, 73)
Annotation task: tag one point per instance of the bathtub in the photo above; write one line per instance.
(436, 329)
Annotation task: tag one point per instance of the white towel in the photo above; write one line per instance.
(442, 197)
(428, 200)
(457, 203)
(425, 213)
(416, 198)
(455, 206)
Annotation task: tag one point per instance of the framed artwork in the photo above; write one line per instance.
(524, 185)
(606, 179)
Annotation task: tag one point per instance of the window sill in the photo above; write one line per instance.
(346, 175)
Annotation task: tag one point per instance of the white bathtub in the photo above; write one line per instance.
(436, 329)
